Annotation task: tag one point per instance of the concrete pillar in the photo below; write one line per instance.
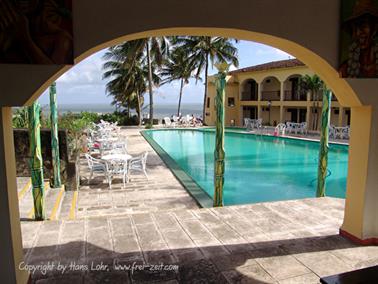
(341, 114)
(308, 116)
(361, 210)
(282, 110)
(259, 97)
(259, 111)
(259, 91)
(10, 237)
(282, 91)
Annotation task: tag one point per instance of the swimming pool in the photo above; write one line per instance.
(257, 168)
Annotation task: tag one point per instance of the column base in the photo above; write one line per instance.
(364, 242)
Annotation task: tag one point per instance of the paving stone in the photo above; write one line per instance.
(274, 266)
(309, 278)
(140, 219)
(95, 223)
(323, 263)
(202, 271)
(121, 226)
(252, 274)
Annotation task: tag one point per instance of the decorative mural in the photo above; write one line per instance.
(36, 32)
(358, 40)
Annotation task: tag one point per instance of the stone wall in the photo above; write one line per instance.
(67, 163)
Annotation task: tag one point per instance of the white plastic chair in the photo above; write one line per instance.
(303, 128)
(280, 129)
(139, 164)
(117, 168)
(95, 166)
(167, 122)
(332, 131)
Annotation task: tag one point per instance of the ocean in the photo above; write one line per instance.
(160, 111)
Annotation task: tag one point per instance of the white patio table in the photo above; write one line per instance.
(112, 157)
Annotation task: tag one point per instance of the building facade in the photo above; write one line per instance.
(271, 91)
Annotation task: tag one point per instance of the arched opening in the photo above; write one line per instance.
(355, 219)
(291, 89)
(341, 87)
(249, 90)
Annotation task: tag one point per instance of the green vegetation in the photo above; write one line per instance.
(178, 67)
(204, 50)
(74, 123)
(135, 67)
(314, 85)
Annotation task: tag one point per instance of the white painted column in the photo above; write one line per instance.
(10, 237)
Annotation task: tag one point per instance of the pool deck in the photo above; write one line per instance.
(157, 222)
(278, 242)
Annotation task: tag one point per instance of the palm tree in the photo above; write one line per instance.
(204, 50)
(153, 50)
(178, 67)
(128, 75)
(314, 85)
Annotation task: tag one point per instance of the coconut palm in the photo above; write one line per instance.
(178, 67)
(205, 50)
(129, 75)
(314, 85)
(153, 51)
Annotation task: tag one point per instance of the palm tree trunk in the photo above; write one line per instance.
(139, 111)
(150, 83)
(179, 104)
(205, 95)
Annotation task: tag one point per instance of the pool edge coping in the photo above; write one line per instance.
(202, 199)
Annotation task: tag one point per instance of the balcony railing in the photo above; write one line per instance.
(247, 96)
(296, 96)
(270, 95)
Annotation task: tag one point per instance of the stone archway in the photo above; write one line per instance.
(98, 24)
(345, 93)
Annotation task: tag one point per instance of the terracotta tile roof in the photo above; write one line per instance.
(270, 65)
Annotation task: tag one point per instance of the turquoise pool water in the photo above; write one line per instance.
(257, 168)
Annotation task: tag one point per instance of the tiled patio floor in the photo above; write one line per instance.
(278, 242)
(161, 191)
(156, 222)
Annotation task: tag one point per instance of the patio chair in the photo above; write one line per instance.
(95, 166)
(117, 168)
(167, 122)
(332, 131)
(139, 164)
(280, 129)
(289, 127)
(118, 148)
(303, 128)
(258, 123)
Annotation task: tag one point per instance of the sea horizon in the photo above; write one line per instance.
(160, 110)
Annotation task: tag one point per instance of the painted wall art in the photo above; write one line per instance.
(358, 39)
(36, 32)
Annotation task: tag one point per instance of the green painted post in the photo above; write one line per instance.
(219, 153)
(55, 181)
(36, 162)
(323, 151)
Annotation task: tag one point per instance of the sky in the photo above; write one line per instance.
(83, 83)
